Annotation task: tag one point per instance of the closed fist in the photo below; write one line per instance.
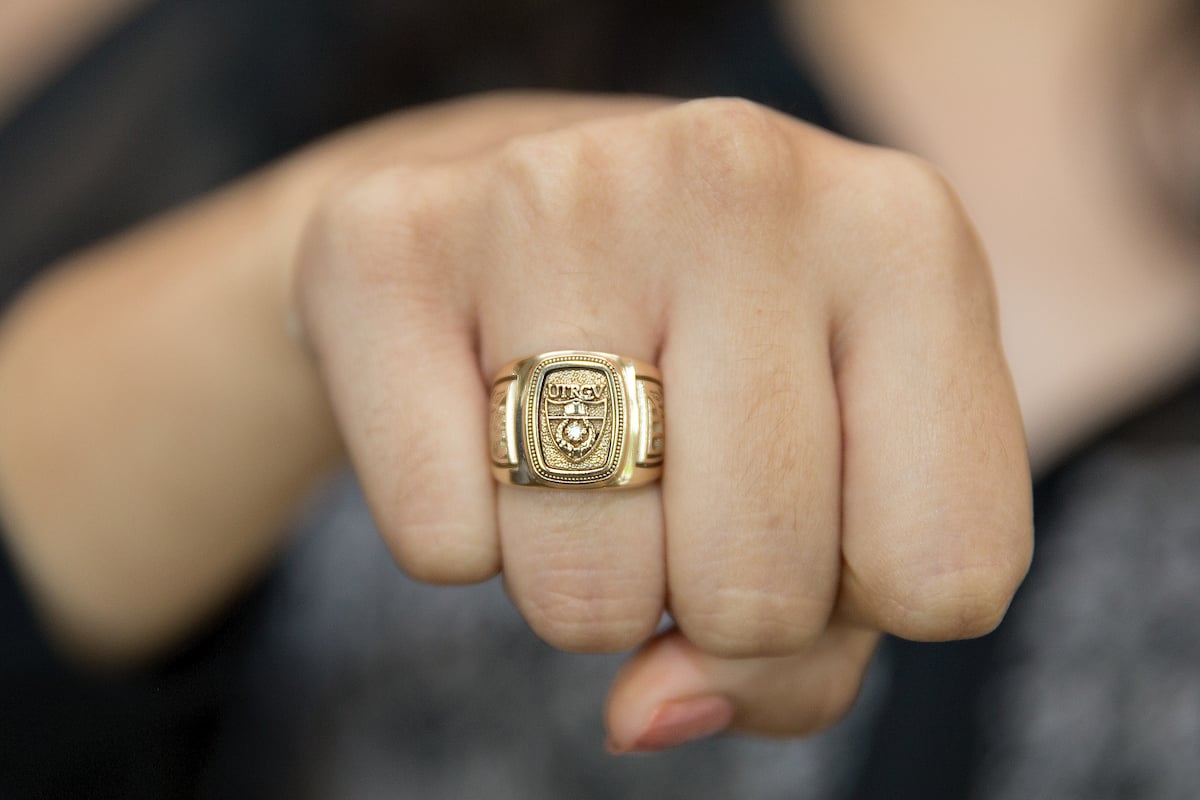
(845, 451)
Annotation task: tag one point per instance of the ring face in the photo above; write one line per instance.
(577, 419)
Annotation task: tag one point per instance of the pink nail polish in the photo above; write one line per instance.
(679, 721)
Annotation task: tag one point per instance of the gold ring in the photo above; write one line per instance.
(574, 419)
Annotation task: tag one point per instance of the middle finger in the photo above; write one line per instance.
(752, 488)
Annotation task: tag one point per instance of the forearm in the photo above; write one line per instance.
(158, 425)
(155, 423)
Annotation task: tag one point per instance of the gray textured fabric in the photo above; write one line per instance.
(1100, 696)
(365, 684)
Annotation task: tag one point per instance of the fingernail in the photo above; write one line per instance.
(679, 721)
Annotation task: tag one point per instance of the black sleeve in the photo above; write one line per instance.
(66, 731)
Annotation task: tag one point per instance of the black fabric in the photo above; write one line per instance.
(171, 105)
(67, 731)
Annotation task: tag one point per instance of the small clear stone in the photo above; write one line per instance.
(575, 432)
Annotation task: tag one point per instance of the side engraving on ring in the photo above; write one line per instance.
(503, 454)
(575, 420)
(650, 400)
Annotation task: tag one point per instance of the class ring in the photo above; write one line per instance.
(575, 419)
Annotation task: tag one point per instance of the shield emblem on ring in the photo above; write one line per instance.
(577, 414)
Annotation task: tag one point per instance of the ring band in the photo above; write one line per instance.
(575, 419)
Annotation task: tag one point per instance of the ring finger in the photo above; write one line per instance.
(585, 568)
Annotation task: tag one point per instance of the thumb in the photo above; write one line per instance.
(671, 692)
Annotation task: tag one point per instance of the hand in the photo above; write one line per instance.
(845, 451)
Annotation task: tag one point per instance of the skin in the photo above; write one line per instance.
(1052, 125)
(873, 473)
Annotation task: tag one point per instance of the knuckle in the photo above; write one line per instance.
(570, 618)
(744, 623)
(374, 227)
(558, 179)
(444, 553)
(917, 215)
(903, 187)
(962, 603)
(359, 202)
(742, 154)
(922, 248)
